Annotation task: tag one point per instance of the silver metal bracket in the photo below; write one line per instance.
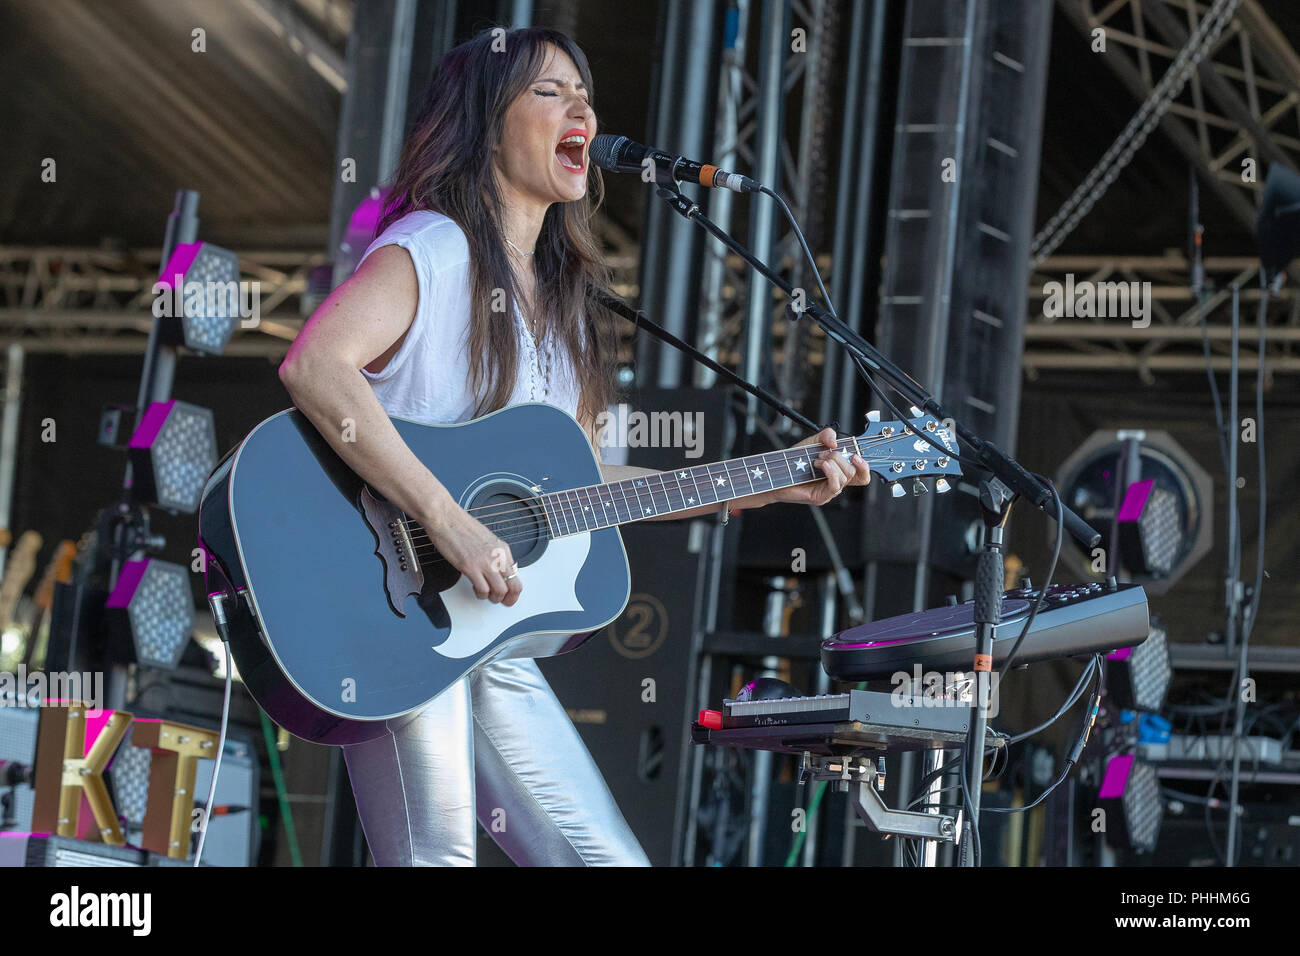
(857, 776)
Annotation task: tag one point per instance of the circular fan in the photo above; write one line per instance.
(1149, 500)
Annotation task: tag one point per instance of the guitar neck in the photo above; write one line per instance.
(667, 492)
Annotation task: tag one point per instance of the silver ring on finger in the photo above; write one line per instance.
(512, 574)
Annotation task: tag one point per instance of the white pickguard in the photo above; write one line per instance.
(548, 585)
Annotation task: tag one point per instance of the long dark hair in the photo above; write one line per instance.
(446, 166)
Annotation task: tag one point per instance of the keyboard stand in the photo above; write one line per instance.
(844, 754)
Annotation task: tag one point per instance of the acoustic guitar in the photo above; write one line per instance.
(348, 616)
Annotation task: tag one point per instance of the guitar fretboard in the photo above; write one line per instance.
(635, 499)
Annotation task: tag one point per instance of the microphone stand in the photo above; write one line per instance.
(989, 456)
(1015, 481)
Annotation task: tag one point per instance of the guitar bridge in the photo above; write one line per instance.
(403, 575)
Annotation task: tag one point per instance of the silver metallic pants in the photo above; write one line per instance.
(496, 745)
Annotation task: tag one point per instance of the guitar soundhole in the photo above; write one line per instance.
(515, 517)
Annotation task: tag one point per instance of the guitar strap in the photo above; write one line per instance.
(617, 305)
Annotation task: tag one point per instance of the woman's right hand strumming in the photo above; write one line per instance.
(365, 317)
(475, 552)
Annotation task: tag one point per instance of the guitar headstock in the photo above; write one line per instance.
(896, 452)
(59, 569)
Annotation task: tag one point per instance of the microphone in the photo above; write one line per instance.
(618, 154)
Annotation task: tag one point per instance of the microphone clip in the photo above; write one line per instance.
(687, 207)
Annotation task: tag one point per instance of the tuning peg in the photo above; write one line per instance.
(897, 490)
(873, 415)
(918, 487)
(941, 485)
(916, 412)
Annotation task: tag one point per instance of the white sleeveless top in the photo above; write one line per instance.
(427, 380)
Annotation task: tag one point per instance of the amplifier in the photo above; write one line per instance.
(40, 849)
(18, 725)
(234, 838)
(1269, 834)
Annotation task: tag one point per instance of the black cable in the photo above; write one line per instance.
(1075, 753)
(1263, 473)
(812, 261)
(1042, 593)
(1290, 731)
(1229, 703)
(940, 805)
(1219, 428)
(1234, 549)
(998, 752)
(971, 822)
(1000, 767)
(1210, 803)
(933, 774)
(1075, 694)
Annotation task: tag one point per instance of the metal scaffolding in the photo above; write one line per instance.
(772, 113)
(1173, 339)
(1242, 102)
(99, 301)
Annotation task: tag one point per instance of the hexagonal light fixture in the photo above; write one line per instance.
(1151, 533)
(172, 452)
(1130, 793)
(200, 298)
(1138, 678)
(151, 612)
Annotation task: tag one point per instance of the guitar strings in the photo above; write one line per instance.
(731, 466)
(423, 551)
(567, 510)
(802, 451)
(561, 514)
(618, 491)
(557, 518)
(530, 518)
